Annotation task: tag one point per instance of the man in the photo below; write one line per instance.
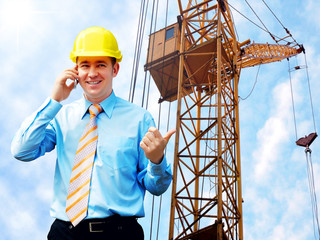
(108, 150)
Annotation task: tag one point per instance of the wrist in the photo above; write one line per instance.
(158, 160)
(55, 98)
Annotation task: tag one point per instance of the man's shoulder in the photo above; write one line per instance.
(75, 103)
(124, 103)
(132, 108)
(71, 109)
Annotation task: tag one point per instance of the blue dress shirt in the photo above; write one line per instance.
(121, 172)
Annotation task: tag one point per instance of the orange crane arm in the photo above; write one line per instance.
(256, 54)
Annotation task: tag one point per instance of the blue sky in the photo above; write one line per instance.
(35, 43)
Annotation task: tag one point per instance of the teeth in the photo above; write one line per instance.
(94, 82)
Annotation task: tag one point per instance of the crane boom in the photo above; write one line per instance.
(258, 53)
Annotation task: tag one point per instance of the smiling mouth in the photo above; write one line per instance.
(94, 83)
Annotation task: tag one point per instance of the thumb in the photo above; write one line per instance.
(168, 135)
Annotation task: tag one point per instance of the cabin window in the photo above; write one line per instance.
(169, 33)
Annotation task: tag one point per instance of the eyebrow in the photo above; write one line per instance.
(101, 61)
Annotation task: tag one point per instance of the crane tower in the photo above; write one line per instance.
(197, 62)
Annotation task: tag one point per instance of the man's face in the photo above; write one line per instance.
(96, 74)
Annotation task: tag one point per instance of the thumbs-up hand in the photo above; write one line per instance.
(153, 144)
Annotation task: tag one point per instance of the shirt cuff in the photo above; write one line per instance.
(50, 108)
(158, 169)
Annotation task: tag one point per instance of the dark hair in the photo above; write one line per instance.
(113, 61)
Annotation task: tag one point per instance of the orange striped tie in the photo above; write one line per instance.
(79, 187)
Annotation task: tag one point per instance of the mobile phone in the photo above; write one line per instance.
(76, 81)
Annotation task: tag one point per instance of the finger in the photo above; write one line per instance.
(73, 70)
(71, 86)
(168, 135)
(150, 136)
(66, 75)
(155, 132)
(72, 76)
(146, 141)
(143, 146)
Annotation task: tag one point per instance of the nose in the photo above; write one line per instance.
(93, 72)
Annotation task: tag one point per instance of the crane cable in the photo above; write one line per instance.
(313, 196)
(146, 99)
(256, 80)
(265, 27)
(135, 67)
(257, 25)
(253, 87)
(138, 47)
(292, 100)
(287, 31)
(168, 120)
(152, 29)
(310, 96)
(309, 91)
(146, 84)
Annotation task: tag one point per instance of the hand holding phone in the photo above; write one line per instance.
(62, 89)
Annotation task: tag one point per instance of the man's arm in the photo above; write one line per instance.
(157, 177)
(36, 135)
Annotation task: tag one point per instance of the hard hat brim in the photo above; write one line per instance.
(74, 55)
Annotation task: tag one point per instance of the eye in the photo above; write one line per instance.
(84, 66)
(101, 65)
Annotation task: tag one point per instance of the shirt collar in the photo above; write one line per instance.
(107, 105)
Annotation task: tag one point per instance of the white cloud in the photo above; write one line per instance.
(274, 134)
(19, 215)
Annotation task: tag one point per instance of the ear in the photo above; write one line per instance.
(116, 68)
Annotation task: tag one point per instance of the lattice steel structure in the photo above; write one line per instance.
(200, 68)
(208, 154)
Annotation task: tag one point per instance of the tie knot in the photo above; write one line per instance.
(95, 109)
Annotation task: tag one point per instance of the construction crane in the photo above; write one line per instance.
(197, 61)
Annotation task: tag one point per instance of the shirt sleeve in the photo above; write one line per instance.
(156, 178)
(36, 136)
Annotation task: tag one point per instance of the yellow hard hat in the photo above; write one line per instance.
(95, 41)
